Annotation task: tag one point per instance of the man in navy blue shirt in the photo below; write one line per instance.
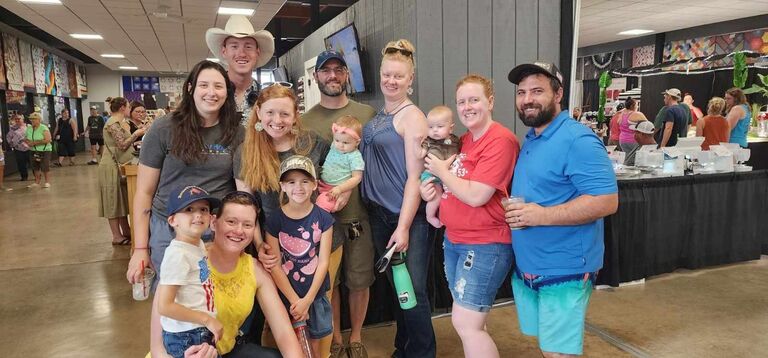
(568, 184)
(675, 122)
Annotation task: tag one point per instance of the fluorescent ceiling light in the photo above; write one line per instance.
(48, 2)
(212, 59)
(235, 11)
(128, 68)
(635, 32)
(87, 36)
(112, 55)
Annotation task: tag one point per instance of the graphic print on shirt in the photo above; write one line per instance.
(205, 280)
(216, 149)
(300, 253)
(457, 169)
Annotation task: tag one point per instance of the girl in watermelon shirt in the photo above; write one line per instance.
(301, 233)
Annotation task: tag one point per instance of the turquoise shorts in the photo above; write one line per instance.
(553, 308)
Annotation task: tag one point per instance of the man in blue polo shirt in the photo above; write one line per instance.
(568, 184)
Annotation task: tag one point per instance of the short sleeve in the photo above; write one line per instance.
(589, 168)
(670, 116)
(175, 268)
(153, 146)
(356, 161)
(272, 224)
(496, 163)
(237, 161)
(326, 219)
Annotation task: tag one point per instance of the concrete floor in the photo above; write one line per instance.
(65, 294)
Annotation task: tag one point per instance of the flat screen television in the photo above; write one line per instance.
(345, 42)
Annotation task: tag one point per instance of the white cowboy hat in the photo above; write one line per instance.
(239, 26)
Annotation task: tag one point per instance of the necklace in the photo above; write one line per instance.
(387, 111)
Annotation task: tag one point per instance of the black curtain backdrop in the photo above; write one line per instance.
(590, 96)
(702, 86)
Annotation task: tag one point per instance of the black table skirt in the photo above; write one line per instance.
(758, 159)
(685, 222)
(662, 225)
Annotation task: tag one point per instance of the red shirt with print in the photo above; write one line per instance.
(489, 160)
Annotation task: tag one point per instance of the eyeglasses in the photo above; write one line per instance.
(338, 71)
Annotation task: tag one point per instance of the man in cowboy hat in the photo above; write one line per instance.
(241, 50)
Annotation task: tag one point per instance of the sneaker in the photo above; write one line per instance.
(356, 350)
(47, 185)
(33, 185)
(338, 351)
(92, 162)
(5, 188)
(56, 164)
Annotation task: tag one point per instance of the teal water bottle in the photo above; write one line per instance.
(403, 283)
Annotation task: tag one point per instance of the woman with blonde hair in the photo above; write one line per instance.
(391, 148)
(713, 127)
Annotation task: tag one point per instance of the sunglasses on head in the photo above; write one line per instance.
(398, 47)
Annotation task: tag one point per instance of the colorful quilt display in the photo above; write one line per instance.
(12, 63)
(2, 68)
(38, 64)
(62, 79)
(82, 87)
(643, 56)
(50, 73)
(27, 67)
(72, 77)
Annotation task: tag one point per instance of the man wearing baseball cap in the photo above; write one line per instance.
(672, 124)
(568, 185)
(241, 50)
(643, 136)
(351, 230)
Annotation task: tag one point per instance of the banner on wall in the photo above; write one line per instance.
(62, 79)
(12, 63)
(82, 87)
(2, 67)
(50, 73)
(27, 67)
(171, 84)
(38, 65)
(72, 76)
(141, 84)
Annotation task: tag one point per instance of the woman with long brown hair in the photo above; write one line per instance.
(191, 146)
(739, 115)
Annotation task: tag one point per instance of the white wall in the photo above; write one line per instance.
(102, 83)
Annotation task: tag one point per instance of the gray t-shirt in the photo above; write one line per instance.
(214, 174)
(270, 201)
(320, 119)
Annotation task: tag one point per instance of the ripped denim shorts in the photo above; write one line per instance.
(475, 272)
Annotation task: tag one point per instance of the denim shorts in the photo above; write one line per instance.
(553, 308)
(320, 322)
(177, 342)
(475, 272)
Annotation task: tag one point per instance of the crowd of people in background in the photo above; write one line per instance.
(238, 165)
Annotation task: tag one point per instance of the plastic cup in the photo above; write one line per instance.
(512, 199)
(141, 288)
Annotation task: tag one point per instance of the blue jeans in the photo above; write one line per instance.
(177, 342)
(415, 336)
(475, 272)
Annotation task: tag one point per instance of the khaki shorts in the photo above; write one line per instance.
(358, 259)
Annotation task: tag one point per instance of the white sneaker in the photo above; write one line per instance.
(33, 185)
(5, 188)
(47, 185)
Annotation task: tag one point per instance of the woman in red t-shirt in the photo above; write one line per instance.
(478, 244)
